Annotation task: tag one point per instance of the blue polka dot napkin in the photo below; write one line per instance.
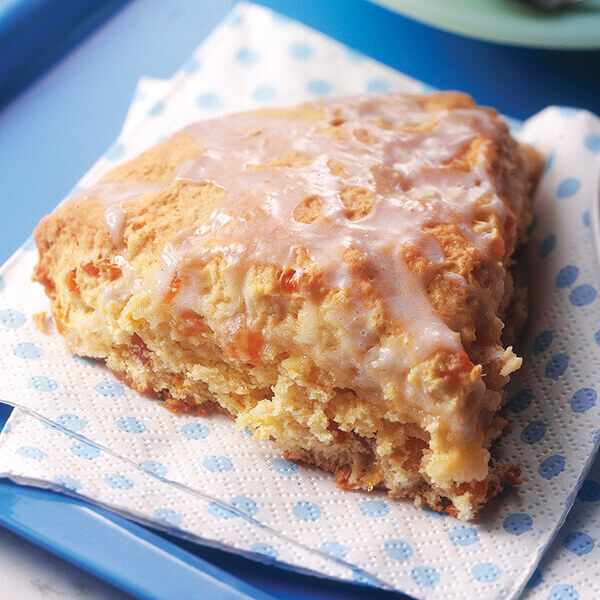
(78, 430)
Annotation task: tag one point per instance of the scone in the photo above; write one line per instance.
(334, 276)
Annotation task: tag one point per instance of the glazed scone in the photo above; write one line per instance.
(334, 276)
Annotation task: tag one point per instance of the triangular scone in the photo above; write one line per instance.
(334, 276)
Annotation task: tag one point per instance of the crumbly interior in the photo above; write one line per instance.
(284, 373)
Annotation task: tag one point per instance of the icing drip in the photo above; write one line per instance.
(407, 163)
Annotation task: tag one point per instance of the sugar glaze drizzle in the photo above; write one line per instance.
(386, 145)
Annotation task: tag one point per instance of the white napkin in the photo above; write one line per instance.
(201, 479)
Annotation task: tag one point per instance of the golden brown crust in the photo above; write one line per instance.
(280, 377)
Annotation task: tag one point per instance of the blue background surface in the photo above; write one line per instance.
(56, 127)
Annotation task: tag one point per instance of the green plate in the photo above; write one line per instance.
(507, 22)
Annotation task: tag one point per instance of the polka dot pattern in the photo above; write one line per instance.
(118, 482)
(547, 246)
(246, 56)
(583, 295)
(563, 591)
(220, 512)
(398, 550)
(363, 578)
(68, 483)
(319, 87)
(168, 516)
(486, 572)
(518, 523)
(301, 50)
(217, 464)
(11, 318)
(583, 399)
(463, 535)
(585, 218)
(154, 468)
(194, 431)
(567, 276)
(520, 401)
(425, 576)
(556, 366)
(579, 543)
(533, 432)
(568, 187)
(88, 362)
(41, 383)
(156, 109)
(306, 511)
(85, 450)
(374, 509)
(334, 549)
(589, 491)
(552, 466)
(543, 341)
(265, 550)
(208, 100)
(71, 422)
(245, 505)
(283, 466)
(110, 389)
(131, 425)
(31, 453)
(592, 142)
(27, 350)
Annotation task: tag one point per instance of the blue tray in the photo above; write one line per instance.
(34, 33)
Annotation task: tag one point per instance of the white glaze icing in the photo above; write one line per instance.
(407, 169)
(113, 194)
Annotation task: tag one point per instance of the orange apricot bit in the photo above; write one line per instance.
(454, 371)
(173, 289)
(71, 281)
(103, 266)
(245, 345)
(254, 346)
(190, 324)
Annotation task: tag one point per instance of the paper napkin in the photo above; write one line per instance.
(82, 432)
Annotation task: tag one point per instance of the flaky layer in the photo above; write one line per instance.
(191, 280)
